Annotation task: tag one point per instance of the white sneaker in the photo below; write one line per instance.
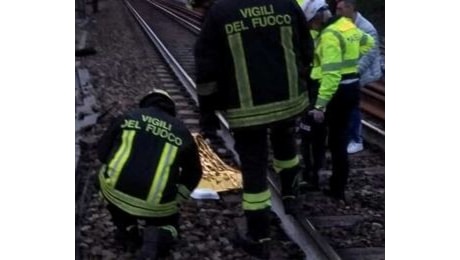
(354, 147)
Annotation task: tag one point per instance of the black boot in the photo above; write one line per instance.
(309, 182)
(149, 250)
(303, 183)
(337, 194)
(336, 189)
(290, 180)
(303, 187)
(252, 233)
(129, 238)
(313, 181)
(291, 205)
(157, 243)
(258, 248)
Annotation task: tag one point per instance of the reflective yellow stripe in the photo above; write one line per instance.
(267, 108)
(169, 161)
(320, 102)
(254, 197)
(139, 211)
(283, 110)
(279, 165)
(256, 201)
(162, 173)
(136, 206)
(350, 63)
(289, 57)
(171, 229)
(183, 191)
(363, 40)
(134, 200)
(121, 156)
(158, 174)
(118, 154)
(103, 169)
(130, 201)
(241, 70)
(339, 65)
(331, 66)
(340, 38)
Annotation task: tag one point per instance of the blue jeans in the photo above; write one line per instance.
(354, 127)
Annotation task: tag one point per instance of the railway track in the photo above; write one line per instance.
(325, 248)
(327, 224)
(373, 96)
(206, 226)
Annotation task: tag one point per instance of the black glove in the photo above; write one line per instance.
(209, 122)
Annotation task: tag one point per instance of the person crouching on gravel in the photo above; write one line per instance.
(150, 164)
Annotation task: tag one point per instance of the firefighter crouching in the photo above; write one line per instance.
(151, 163)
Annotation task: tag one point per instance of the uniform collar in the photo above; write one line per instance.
(330, 21)
(358, 17)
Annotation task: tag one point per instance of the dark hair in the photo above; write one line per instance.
(349, 2)
(160, 101)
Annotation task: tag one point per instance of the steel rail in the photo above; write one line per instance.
(187, 24)
(314, 245)
(183, 77)
(196, 29)
(310, 241)
(315, 248)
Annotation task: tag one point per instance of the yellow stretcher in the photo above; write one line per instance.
(217, 175)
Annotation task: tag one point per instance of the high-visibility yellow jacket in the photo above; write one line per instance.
(337, 52)
(314, 35)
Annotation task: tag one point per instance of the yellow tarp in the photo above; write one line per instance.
(217, 175)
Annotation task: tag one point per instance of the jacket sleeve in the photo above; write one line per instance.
(191, 171)
(106, 142)
(206, 52)
(369, 49)
(207, 65)
(330, 56)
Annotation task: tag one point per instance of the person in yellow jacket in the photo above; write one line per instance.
(338, 48)
(311, 133)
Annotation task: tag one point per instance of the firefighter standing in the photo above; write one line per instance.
(143, 152)
(335, 65)
(252, 58)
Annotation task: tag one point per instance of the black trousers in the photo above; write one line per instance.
(252, 146)
(123, 220)
(338, 113)
(313, 147)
